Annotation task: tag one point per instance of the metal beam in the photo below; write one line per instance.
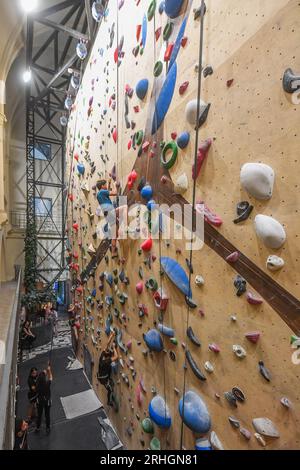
(57, 75)
(64, 29)
(89, 18)
(56, 8)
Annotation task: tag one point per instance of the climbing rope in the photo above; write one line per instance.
(201, 39)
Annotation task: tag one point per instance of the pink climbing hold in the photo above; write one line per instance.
(157, 33)
(146, 146)
(233, 257)
(201, 155)
(139, 396)
(131, 179)
(129, 91)
(183, 87)
(253, 300)
(253, 336)
(147, 245)
(115, 135)
(139, 287)
(214, 347)
(129, 344)
(209, 216)
(152, 153)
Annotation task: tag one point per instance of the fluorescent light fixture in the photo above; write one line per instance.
(29, 5)
(27, 76)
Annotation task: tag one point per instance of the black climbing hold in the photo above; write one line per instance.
(198, 12)
(240, 284)
(264, 371)
(203, 115)
(194, 366)
(244, 210)
(290, 81)
(231, 398)
(190, 302)
(191, 335)
(208, 71)
(239, 395)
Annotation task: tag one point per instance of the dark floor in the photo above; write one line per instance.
(76, 434)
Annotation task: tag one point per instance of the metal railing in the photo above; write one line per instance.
(43, 224)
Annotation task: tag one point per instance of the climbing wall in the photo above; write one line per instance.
(247, 47)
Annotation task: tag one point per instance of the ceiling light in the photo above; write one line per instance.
(27, 76)
(29, 5)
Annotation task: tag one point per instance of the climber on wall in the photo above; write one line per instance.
(107, 357)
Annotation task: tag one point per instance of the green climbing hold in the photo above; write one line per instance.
(147, 426)
(168, 29)
(152, 284)
(158, 67)
(151, 10)
(174, 341)
(155, 444)
(169, 163)
(139, 137)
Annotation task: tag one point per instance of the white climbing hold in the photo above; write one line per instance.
(260, 439)
(274, 263)
(265, 427)
(91, 249)
(270, 231)
(208, 367)
(239, 351)
(258, 180)
(191, 111)
(215, 441)
(181, 184)
(199, 280)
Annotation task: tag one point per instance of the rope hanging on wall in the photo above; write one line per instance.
(201, 39)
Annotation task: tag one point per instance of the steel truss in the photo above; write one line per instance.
(63, 25)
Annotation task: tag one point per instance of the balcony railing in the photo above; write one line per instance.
(43, 224)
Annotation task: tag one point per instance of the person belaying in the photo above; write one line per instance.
(27, 337)
(107, 357)
(32, 393)
(43, 388)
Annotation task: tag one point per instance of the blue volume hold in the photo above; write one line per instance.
(159, 412)
(142, 88)
(195, 415)
(164, 99)
(177, 43)
(173, 7)
(153, 340)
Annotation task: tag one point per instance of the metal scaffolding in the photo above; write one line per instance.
(52, 37)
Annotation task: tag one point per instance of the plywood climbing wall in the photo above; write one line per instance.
(249, 45)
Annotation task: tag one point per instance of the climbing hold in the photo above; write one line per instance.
(194, 412)
(147, 245)
(191, 112)
(131, 179)
(208, 367)
(176, 274)
(168, 29)
(229, 82)
(139, 287)
(230, 397)
(151, 10)
(260, 439)
(215, 441)
(144, 31)
(199, 280)
(170, 146)
(147, 192)
(165, 330)
(265, 427)
(258, 180)
(81, 50)
(253, 300)
(291, 81)
(244, 210)
(198, 12)
(208, 70)
(173, 7)
(183, 87)
(285, 402)
(161, 7)
(168, 53)
(153, 340)
(201, 155)
(164, 99)
(209, 216)
(181, 184)
(264, 371)
(239, 351)
(160, 299)
(274, 263)
(183, 140)
(233, 257)
(115, 135)
(142, 88)
(270, 231)
(234, 422)
(245, 433)
(155, 444)
(183, 41)
(203, 443)
(253, 336)
(159, 412)
(91, 250)
(81, 168)
(239, 394)
(194, 366)
(214, 347)
(157, 68)
(240, 284)
(97, 11)
(152, 284)
(75, 227)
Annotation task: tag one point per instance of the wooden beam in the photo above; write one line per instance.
(64, 29)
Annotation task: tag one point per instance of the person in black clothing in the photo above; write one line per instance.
(43, 401)
(21, 428)
(26, 334)
(32, 393)
(104, 371)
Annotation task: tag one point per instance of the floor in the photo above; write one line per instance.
(82, 433)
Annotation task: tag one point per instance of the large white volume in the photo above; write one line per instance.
(270, 231)
(258, 180)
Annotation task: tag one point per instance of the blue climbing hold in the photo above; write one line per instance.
(161, 8)
(177, 43)
(164, 99)
(81, 168)
(94, 293)
(173, 7)
(183, 140)
(166, 330)
(109, 279)
(144, 31)
(195, 415)
(142, 88)
(147, 192)
(153, 340)
(176, 274)
(151, 204)
(203, 444)
(159, 412)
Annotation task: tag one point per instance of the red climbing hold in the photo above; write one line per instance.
(75, 255)
(201, 155)
(183, 41)
(168, 52)
(163, 179)
(131, 179)
(229, 83)
(174, 135)
(143, 309)
(76, 156)
(152, 153)
(115, 135)
(253, 336)
(129, 91)
(157, 33)
(145, 146)
(183, 87)
(79, 289)
(75, 227)
(129, 144)
(233, 257)
(139, 287)
(71, 197)
(138, 32)
(147, 245)
(161, 300)
(251, 299)
(136, 109)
